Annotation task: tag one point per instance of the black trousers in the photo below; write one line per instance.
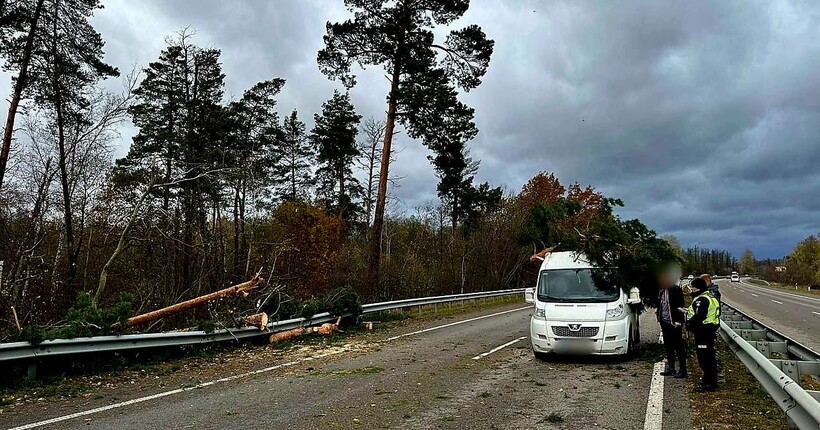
(673, 343)
(707, 358)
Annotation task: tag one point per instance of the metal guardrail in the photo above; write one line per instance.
(48, 348)
(777, 362)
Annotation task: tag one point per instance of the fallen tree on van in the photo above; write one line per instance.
(634, 252)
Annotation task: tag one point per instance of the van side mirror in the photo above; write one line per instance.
(529, 295)
(634, 296)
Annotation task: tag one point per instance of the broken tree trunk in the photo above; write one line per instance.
(324, 329)
(286, 335)
(242, 288)
(259, 321)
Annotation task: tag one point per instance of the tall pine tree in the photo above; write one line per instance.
(182, 130)
(334, 136)
(254, 132)
(293, 157)
(399, 36)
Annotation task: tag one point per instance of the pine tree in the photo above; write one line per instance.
(20, 24)
(399, 36)
(182, 130)
(66, 62)
(294, 157)
(334, 136)
(254, 132)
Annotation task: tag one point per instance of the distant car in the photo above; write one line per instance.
(734, 278)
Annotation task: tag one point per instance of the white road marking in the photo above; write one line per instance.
(779, 303)
(816, 313)
(498, 348)
(772, 290)
(742, 290)
(654, 405)
(234, 377)
(171, 392)
(755, 295)
(456, 323)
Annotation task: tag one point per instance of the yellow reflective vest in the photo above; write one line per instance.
(713, 314)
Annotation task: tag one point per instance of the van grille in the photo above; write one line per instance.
(564, 331)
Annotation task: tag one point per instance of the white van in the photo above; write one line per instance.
(574, 314)
(734, 278)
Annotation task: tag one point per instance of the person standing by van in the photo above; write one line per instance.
(671, 320)
(702, 319)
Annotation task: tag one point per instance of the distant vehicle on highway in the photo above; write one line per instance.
(735, 277)
(577, 312)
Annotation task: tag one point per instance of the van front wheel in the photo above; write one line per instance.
(630, 345)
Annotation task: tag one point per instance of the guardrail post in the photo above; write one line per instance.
(32, 370)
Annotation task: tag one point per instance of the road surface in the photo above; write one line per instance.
(470, 371)
(796, 316)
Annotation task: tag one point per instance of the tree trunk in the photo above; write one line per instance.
(17, 94)
(381, 196)
(259, 321)
(236, 233)
(71, 252)
(199, 301)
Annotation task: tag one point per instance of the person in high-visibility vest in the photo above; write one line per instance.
(703, 319)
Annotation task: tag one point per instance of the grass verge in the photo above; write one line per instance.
(740, 402)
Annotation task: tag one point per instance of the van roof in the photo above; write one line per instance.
(565, 260)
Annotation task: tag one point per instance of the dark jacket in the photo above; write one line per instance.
(675, 302)
(715, 290)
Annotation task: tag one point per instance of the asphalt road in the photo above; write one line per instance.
(796, 316)
(404, 378)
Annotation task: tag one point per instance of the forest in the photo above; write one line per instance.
(215, 191)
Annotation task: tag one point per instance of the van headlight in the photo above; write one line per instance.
(615, 313)
(540, 314)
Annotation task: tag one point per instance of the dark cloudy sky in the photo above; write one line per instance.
(703, 116)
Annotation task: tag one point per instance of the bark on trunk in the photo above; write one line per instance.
(242, 288)
(19, 86)
(381, 196)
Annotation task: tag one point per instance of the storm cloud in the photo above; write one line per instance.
(702, 116)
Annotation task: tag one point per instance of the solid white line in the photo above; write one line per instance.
(498, 348)
(171, 392)
(231, 378)
(654, 405)
(779, 303)
(456, 323)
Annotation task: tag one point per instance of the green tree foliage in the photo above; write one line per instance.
(747, 263)
(628, 247)
(703, 260)
(456, 172)
(293, 157)
(182, 130)
(334, 136)
(804, 261)
(399, 36)
(249, 154)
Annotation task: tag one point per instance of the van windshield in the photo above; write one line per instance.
(576, 285)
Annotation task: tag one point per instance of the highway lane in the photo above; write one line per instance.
(794, 315)
(434, 374)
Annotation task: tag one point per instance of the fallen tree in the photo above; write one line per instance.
(242, 288)
(324, 329)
